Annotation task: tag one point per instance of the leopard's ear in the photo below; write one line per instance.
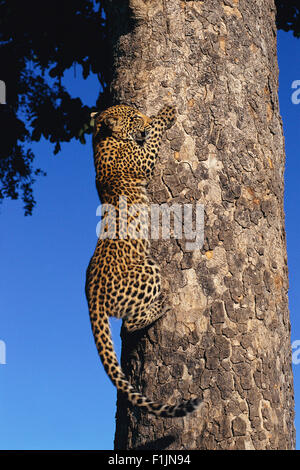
(99, 119)
(111, 122)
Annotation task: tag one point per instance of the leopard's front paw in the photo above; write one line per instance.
(168, 114)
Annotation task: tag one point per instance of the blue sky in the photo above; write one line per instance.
(54, 393)
(289, 66)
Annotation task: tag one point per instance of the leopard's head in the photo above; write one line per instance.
(122, 122)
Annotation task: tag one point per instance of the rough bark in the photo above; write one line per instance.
(227, 337)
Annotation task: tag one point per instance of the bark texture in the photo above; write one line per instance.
(227, 337)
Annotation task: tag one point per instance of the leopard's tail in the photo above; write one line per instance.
(104, 343)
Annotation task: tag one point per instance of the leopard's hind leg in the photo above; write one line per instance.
(145, 316)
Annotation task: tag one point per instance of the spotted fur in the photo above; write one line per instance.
(122, 279)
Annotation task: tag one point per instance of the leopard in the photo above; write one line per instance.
(122, 279)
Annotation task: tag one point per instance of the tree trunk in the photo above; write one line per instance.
(227, 337)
